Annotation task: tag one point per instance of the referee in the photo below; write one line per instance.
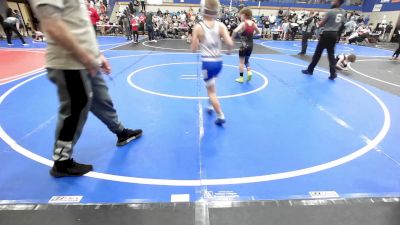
(332, 23)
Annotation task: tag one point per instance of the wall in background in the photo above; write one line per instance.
(369, 5)
(281, 4)
(173, 8)
(386, 16)
(274, 4)
(3, 8)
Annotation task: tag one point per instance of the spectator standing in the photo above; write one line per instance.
(103, 8)
(94, 16)
(397, 52)
(266, 27)
(308, 29)
(135, 29)
(285, 28)
(142, 21)
(127, 27)
(143, 4)
(136, 6)
(149, 26)
(388, 30)
(21, 25)
(10, 25)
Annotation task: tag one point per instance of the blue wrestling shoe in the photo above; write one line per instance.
(219, 121)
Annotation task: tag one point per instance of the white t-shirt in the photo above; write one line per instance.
(183, 17)
(11, 20)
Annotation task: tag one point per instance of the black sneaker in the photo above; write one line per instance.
(128, 135)
(301, 53)
(332, 76)
(307, 72)
(69, 168)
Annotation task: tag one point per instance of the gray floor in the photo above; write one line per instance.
(351, 212)
(385, 45)
(384, 69)
(174, 45)
(365, 211)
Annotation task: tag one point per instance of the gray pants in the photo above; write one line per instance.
(386, 37)
(80, 93)
(304, 41)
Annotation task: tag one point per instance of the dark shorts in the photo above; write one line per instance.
(245, 51)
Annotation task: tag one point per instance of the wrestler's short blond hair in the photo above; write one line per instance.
(352, 58)
(212, 4)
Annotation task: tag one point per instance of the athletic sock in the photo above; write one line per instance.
(221, 116)
(210, 107)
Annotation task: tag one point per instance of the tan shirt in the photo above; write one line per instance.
(76, 17)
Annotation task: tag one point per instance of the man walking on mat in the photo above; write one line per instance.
(73, 62)
(332, 24)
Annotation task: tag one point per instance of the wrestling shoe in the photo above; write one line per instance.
(249, 76)
(219, 121)
(240, 80)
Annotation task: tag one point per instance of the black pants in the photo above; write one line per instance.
(95, 29)
(294, 32)
(397, 52)
(143, 6)
(327, 41)
(8, 29)
(141, 28)
(78, 94)
(304, 41)
(135, 35)
(150, 32)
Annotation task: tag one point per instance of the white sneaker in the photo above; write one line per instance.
(10, 44)
(25, 44)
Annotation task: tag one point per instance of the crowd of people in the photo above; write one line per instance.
(158, 25)
(285, 25)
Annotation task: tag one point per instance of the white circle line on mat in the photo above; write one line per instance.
(227, 181)
(132, 84)
(370, 77)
